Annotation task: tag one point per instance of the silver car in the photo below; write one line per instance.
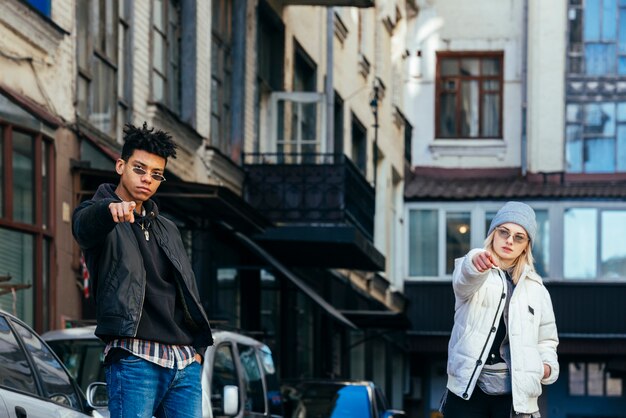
(33, 381)
(238, 376)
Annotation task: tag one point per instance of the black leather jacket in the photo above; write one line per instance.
(116, 267)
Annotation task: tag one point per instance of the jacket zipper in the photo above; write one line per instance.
(479, 362)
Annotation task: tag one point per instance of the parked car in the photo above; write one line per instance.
(34, 383)
(336, 399)
(81, 352)
(238, 377)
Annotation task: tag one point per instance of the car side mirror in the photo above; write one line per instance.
(231, 400)
(97, 395)
(394, 413)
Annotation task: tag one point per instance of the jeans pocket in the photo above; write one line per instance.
(131, 359)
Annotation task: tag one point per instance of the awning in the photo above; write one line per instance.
(284, 271)
(328, 246)
(201, 203)
(378, 319)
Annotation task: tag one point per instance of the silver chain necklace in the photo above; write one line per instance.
(146, 233)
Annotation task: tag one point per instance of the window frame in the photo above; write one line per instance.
(439, 91)
(577, 44)
(42, 6)
(94, 55)
(221, 76)
(478, 231)
(555, 217)
(230, 346)
(298, 98)
(42, 233)
(586, 379)
(172, 99)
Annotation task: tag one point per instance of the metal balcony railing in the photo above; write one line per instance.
(309, 189)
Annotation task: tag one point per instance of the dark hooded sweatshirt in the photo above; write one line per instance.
(143, 288)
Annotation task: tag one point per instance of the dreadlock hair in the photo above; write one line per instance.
(155, 142)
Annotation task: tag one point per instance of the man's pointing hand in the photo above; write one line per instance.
(122, 211)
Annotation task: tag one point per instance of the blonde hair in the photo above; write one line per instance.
(517, 267)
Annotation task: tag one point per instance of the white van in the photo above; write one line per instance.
(238, 377)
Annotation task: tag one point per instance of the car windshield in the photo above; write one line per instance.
(328, 400)
(83, 359)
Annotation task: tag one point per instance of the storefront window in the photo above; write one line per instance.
(25, 212)
(23, 164)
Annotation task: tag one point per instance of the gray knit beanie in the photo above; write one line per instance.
(517, 213)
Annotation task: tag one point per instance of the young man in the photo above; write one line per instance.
(147, 303)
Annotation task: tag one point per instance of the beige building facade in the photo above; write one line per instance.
(248, 88)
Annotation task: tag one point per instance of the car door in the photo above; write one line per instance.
(223, 371)
(254, 391)
(33, 383)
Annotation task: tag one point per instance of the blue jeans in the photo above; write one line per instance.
(140, 389)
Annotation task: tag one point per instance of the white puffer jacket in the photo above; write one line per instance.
(479, 304)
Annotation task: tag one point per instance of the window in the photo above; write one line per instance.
(593, 379)
(166, 47)
(102, 50)
(55, 382)
(42, 5)
(270, 53)
(229, 302)
(469, 95)
(597, 37)
(25, 210)
(124, 76)
(255, 399)
(224, 373)
(595, 127)
(15, 373)
(304, 71)
(221, 73)
(359, 145)
(439, 234)
(596, 137)
(271, 47)
(299, 126)
(589, 245)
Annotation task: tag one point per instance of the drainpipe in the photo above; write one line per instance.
(328, 87)
(524, 144)
(238, 87)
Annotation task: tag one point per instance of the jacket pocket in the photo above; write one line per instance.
(533, 372)
(110, 282)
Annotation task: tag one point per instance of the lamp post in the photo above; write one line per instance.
(374, 101)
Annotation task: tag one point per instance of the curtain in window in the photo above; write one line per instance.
(469, 108)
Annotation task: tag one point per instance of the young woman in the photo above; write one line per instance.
(503, 343)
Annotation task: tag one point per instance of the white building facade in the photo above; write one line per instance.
(249, 89)
(520, 100)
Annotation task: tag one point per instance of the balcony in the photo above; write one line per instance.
(320, 202)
